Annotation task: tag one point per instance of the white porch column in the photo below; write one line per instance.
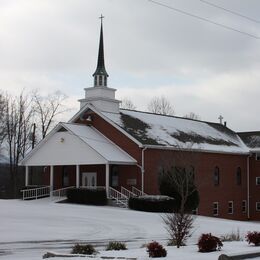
(77, 176)
(26, 175)
(51, 179)
(107, 178)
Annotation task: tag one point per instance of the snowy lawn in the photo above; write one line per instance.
(31, 228)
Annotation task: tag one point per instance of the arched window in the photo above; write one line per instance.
(238, 176)
(100, 80)
(216, 176)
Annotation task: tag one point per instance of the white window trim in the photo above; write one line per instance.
(256, 206)
(215, 203)
(244, 201)
(232, 207)
(256, 180)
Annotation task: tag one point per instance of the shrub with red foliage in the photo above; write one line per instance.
(155, 249)
(253, 237)
(209, 243)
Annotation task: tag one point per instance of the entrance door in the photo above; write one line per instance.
(89, 179)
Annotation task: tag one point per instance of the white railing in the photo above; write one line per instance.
(120, 198)
(36, 193)
(60, 192)
(138, 192)
(127, 192)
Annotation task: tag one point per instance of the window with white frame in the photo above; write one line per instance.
(258, 206)
(215, 208)
(243, 206)
(257, 180)
(230, 207)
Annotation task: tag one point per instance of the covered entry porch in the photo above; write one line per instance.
(80, 156)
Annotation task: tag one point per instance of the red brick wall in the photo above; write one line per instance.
(116, 136)
(204, 164)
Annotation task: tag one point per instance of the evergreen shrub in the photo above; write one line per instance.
(93, 196)
(114, 245)
(152, 203)
(87, 249)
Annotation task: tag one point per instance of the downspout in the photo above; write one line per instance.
(142, 168)
(248, 187)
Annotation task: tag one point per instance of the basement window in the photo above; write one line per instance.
(215, 208)
(258, 206)
(230, 207)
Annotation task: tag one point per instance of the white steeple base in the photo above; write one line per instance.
(102, 98)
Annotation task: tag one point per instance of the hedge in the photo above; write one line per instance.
(87, 196)
(152, 203)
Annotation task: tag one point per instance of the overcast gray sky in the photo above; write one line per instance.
(150, 51)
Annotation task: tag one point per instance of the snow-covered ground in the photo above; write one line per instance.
(29, 229)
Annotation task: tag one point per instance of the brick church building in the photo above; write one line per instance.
(103, 145)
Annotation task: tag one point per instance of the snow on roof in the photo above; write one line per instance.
(251, 139)
(100, 143)
(161, 130)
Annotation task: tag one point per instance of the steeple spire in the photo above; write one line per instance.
(100, 75)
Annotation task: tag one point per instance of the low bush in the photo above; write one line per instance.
(83, 249)
(209, 243)
(233, 236)
(113, 245)
(253, 238)
(152, 203)
(93, 196)
(155, 249)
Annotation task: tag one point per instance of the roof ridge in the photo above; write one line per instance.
(172, 116)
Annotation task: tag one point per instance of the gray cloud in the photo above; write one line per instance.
(201, 67)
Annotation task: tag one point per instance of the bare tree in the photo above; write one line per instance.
(2, 123)
(160, 105)
(17, 124)
(47, 108)
(192, 115)
(178, 181)
(127, 104)
(179, 227)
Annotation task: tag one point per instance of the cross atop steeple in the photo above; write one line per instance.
(100, 75)
(101, 18)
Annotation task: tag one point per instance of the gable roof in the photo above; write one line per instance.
(81, 145)
(170, 131)
(251, 139)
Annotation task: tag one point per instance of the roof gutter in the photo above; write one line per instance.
(161, 147)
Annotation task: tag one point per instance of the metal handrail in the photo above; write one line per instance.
(117, 196)
(127, 192)
(138, 192)
(36, 193)
(60, 192)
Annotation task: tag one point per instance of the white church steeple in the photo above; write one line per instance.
(100, 95)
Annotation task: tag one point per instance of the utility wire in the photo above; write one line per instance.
(230, 11)
(204, 19)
